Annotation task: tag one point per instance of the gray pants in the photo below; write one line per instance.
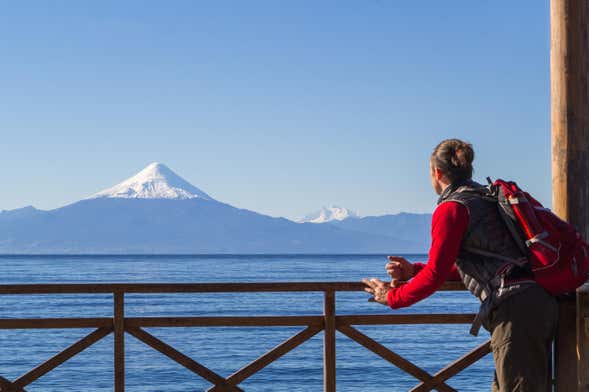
(523, 328)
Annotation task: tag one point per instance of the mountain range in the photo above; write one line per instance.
(158, 212)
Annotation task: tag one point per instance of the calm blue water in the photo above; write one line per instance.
(225, 350)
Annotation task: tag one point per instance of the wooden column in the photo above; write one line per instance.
(569, 69)
(329, 342)
(583, 337)
(565, 366)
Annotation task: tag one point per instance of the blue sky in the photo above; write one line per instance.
(275, 106)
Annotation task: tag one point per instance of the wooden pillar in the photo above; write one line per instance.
(569, 69)
(583, 337)
(565, 366)
(329, 342)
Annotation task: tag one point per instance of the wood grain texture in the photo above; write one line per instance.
(569, 71)
(569, 74)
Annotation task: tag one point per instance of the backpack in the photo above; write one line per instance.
(555, 250)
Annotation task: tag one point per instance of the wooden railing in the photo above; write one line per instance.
(329, 322)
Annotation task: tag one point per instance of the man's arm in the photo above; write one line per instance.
(449, 223)
(453, 276)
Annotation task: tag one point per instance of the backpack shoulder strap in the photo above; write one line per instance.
(496, 192)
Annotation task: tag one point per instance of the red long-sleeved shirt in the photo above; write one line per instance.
(449, 223)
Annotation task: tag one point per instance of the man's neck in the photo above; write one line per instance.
(449, 188)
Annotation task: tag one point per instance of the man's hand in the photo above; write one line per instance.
(378, 289)
(399, 269)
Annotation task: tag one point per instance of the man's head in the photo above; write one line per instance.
(451, 161)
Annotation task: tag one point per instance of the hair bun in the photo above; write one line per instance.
(462, 156)
(454, 157)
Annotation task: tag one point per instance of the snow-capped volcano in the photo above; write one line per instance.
(156, 181)
(328, 214)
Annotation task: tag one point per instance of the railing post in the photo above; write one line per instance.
(565, 367)
(119, 332)
(583, 337)
(329, 342)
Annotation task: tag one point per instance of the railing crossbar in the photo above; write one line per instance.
(271, 356)
(390, 356)
(413, 318)
(220, 321)
(235, 321)
(63, 356)
(455, 367)
(177, 356)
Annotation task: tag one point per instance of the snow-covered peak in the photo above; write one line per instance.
(156, 181)
(328, 214)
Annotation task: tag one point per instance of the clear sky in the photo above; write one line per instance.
(275, 106)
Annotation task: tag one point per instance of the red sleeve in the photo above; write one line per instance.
(449, 223)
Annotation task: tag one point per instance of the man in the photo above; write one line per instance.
(470, 242)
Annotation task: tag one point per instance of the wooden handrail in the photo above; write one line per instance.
(161, 288)
(329, 322)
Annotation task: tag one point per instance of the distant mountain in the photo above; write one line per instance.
(19, 213)
(157, 211)
(329, 214)
(156, 181)
(404, 226)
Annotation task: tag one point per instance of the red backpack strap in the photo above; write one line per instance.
(500, 190)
